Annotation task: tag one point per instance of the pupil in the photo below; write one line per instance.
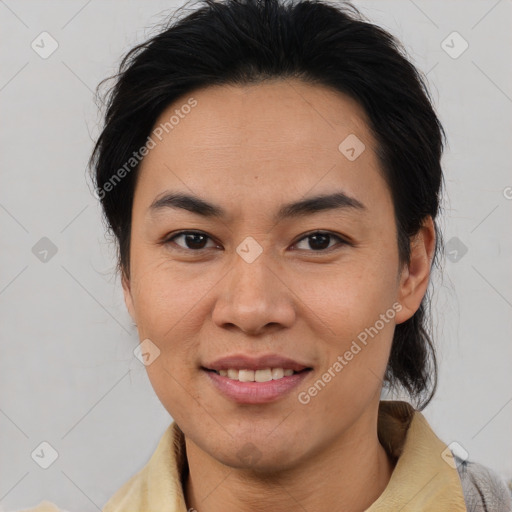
(324, 238)
(195, 237)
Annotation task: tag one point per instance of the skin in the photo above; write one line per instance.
(249, 150)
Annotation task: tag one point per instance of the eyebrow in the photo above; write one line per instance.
(311, 205)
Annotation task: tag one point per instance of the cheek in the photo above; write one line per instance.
(167, 299)
(350, 296)
(171, 382)
(358, 309)
(167, 311)
(354, 357)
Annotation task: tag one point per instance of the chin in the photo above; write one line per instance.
(259, 456)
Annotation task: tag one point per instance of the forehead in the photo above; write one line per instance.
(268, 138)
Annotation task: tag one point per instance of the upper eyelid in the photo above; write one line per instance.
(342, 241)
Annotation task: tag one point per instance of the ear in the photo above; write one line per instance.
(415, 275)
(125, 281)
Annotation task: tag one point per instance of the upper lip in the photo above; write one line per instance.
(245, 362)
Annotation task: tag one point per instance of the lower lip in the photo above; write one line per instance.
(256, 392)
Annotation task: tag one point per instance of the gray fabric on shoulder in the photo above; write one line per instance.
(484, 490)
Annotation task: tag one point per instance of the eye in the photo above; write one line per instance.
(320, 240)
(193, 240)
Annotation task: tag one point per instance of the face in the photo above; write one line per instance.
(255, 282)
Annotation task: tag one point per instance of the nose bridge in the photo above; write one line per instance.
(252, 295)
(252, 270)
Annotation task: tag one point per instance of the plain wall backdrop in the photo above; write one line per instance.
(68, 375)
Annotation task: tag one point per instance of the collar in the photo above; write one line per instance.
(424, 477)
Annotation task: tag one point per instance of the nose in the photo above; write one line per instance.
(254, 297)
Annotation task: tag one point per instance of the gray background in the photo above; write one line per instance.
(68, 375)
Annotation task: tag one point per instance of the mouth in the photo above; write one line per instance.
(247, 380)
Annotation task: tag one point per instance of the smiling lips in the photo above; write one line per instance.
(255, 380)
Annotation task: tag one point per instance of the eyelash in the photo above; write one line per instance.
(170, 240)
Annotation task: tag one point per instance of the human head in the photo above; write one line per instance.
(248, 42)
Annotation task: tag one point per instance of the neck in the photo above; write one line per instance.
(344, 476)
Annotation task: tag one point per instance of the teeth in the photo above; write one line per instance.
(277, 373)
(264, 375)
(246, 375)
